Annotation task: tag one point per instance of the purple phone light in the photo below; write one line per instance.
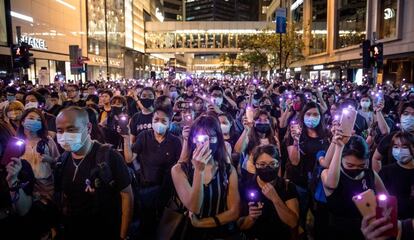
(19, 142)
(123, 118)
(252, 194)
(345, 111)
(336, 117)
(382, 197)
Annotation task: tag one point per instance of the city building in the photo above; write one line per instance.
(225, 10)
(334, 29)
(173, 10)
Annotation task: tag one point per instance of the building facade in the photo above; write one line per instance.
(220, 10)
(334, 29)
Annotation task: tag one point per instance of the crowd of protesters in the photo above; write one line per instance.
(203, 158)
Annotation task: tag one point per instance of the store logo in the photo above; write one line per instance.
(389, 13)
(36, 43)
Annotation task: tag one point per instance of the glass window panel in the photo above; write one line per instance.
(351, 22)
(388, 18)
(318, 27)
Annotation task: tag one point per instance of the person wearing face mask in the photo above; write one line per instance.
(366, 109)
(308, 136)
(399, 177)
(381, 155)
(229, 132)
(294, 104)
(13, 113)
(256, 133)
(348, 174)
(10, 96)
(36, 100)
(143, 120)
(270, 205)
(198, 107)
(217, 103)
(206, 183)
(156, 151)
(94, 181)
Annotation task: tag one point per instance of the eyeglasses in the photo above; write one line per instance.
(264, 165)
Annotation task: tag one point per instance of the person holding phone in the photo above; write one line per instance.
(270, 203)
(347, 174)
(375, 229)
(156, 151)
(206, 183)
(41, 152)
(16, 191)
(13, 112)
(227, 126)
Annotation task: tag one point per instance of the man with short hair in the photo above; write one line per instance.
(93, 180)
(73, 96)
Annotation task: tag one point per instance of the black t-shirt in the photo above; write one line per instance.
(308, 147)
(55, 110)
(80, 103)
(140, 122)
(384, 149)
(400, 183)
(360, 125)
(102, 206)
(269, 224)
(156, 159)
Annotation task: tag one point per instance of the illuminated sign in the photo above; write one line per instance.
(159, 15)
(36, 43)
(389, 13)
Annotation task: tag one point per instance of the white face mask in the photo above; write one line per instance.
(31, 105)
(402, 155)
(217, 101)
(70, 142)
(225, 128)
(159, 128)
(407, 123)
(365, 104)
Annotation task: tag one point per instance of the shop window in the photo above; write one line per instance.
(351, 21)
(387, 18)
(318, 27)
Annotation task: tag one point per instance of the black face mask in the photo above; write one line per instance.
(267, 174)
(262, 127)
(353, 173)
(147, 102)
(267, 108)
(117, 110)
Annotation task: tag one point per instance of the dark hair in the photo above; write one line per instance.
(268, 149)
(93, 98)
(54, 95)
(40, 99)
(120, 99)
(167, 110)
(209, 123)
(11, 89)
(147, 89)
(406, 138)
(92, 85)
(76, 87)
(42, 133)
(96, 131)
(232, 132)
(254, 139)
(320, 129)
(404, 106)
(215, 88)
(43, 91)
(5, 135)
(356, 146)
(106, 91)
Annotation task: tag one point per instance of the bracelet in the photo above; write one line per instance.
(217, 221)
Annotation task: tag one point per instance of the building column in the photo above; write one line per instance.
(331, 27)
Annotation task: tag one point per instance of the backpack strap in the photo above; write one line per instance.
(103, 169)
(59, 166)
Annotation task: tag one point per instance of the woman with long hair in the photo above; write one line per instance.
(206, 182)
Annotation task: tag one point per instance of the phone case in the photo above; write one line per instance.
(388, 208)
(348, 118)
(366, 203)
(12, 150)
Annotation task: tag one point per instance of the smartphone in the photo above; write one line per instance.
(201, 139)
(14, 149)
(187, 119)
(250, 114)
(253, 196)
(387, 207)
(183, 105)
(378, 98)
(366, 203)
(123, 124)
(347, 121)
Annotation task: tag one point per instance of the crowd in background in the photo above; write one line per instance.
(235, 158)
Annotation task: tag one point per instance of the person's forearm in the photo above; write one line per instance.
(184, 155)
(231, 102)
(326, 161)
(283, 119)
(382, 124)
(245, 223)
(323, 105)
(334, 169)
(294, 154)
(127, 199)
(224, 218)
(242, 142)
(286, 215)
(197, 192)
(128, 155)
